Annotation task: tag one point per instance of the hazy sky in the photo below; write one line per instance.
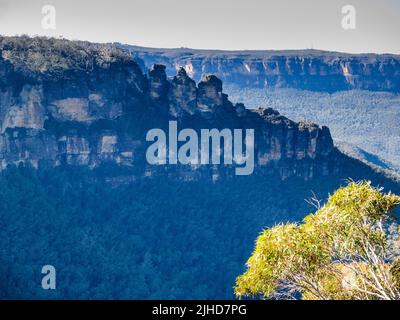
(216, 24)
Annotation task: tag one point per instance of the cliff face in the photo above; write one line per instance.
(76, 103)
(303, 69)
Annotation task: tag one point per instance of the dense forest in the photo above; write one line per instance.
(148, 239)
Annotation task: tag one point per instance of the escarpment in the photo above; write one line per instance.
(299, 69)
(78, 103)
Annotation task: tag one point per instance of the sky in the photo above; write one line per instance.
(214, 24)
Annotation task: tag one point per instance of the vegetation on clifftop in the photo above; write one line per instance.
(51, 56)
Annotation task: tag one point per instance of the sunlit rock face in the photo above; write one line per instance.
(301, 69)
(22, 110)
(96, 106)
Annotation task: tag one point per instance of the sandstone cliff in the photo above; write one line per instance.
(302, 69)
(77, 103)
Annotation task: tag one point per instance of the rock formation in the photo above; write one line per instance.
(302, 69)
(77, 103)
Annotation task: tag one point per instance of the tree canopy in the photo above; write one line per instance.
(347, 249)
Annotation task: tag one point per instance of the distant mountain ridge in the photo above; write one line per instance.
(364, 156)
(313, 70)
